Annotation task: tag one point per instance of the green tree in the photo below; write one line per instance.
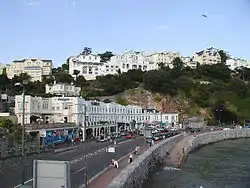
(243, 73)
(80, 81)
(86, 51)
(35, 88)
(238, 86)
(76, 72)
(10, 127)
(184, 83)
(106, 56)
(4, 72)
(48, 79)
(135, 75)
(178, 63)
(223, 56)
(4, 82)
(63, 77)
(23, 77)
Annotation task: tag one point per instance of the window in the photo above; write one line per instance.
(45, 105)
(84, 70)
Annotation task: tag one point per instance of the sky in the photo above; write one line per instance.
(57, 29)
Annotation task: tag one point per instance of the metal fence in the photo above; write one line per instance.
(10, 151)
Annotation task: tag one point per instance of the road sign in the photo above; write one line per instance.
(111, 149)
(51, 174)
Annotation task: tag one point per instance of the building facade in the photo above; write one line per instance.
(63, 89)
(89, 65)
(36, 68)
(93, 114)
(209, 56)
(234, 63)
(128, 61)
(165, 58)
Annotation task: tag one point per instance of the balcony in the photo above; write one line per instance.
(41, 126)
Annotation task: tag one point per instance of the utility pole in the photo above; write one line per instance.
(23, 139)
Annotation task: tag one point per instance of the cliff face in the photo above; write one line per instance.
(165, 104)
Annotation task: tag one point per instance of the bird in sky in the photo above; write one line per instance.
(203, 15)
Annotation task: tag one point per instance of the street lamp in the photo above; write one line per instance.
(85, 147)
(23, 131)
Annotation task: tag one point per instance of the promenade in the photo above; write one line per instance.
(173, 158)
(103, 179)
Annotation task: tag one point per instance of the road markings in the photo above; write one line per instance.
(82, 158)
(96, 152)
(24, 183)
(79, 170)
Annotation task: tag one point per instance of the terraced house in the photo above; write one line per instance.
(34, 67)
(208, 56)
(97, 116)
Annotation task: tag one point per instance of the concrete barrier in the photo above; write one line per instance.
(213, 137)
(136, 174)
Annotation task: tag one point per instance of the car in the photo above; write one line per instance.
(141, 133)
(129, 136)
(123, 134)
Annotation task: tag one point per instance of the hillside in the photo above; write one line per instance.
(163, 103)
(212, 91)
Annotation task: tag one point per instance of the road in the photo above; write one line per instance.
(94, 152)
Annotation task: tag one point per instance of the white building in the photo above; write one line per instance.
(63, 89)
(128, 61)
(234, 63)
(36, 68)
(188, 61)
(89, 65)
(97, 114)
(165, 58)
(209, 56)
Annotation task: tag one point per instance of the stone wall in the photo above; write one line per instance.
(136, 174)
(212, 137)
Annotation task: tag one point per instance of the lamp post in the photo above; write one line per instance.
(85, 147)
(23, 132)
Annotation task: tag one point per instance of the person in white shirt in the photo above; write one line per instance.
(130, 158)
(116, 164)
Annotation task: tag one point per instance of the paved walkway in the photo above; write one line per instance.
(107, 176)
(174, 154)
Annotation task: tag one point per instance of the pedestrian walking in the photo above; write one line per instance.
(152, 142)
(112, 162)
(137, 150)
(116, 164)
(130, 158)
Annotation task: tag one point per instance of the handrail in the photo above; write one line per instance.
(48, 126)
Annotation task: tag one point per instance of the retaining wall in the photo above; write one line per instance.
(217, 136)
(136, 174)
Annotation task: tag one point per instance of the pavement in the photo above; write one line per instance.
(175, 153)
(104, 179)
(93, 150)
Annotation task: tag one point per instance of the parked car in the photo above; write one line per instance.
(123, 134)
(129, 136)
(141, 133)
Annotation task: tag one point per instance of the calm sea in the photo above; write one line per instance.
(221, 165)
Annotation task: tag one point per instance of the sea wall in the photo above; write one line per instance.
(136, 174)
(213, 137)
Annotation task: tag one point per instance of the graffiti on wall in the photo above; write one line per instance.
(59, 136)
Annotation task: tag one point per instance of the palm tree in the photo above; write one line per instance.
(24, 78)
(76, 72)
